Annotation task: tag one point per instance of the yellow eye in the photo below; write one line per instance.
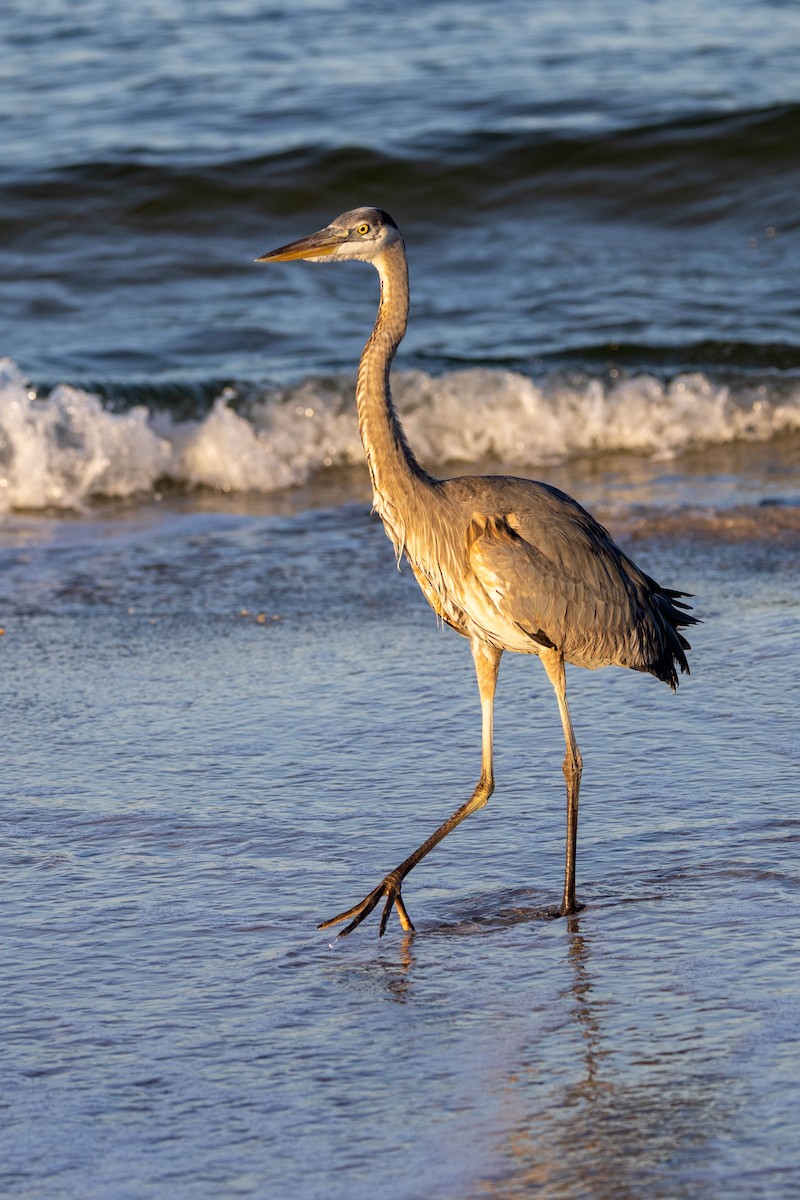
(362, 229)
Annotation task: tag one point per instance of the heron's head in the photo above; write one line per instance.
(362, 234)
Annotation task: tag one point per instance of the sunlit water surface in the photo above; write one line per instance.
(237, 735)
(226, 716)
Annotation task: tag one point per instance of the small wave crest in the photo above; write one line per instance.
(58, 452)
(63, 450)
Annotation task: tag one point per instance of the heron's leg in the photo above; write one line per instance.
(487, 663)
(573, 765)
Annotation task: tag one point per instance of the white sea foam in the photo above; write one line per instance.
(60, 451)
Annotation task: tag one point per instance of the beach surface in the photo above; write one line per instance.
(227, 714)
(225, 726)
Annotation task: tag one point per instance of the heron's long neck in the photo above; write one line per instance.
(396, 474)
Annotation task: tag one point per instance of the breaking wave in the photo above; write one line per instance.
(63, 450)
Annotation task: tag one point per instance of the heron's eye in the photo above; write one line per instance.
(362, 229)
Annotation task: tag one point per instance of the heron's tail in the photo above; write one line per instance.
(673, 615)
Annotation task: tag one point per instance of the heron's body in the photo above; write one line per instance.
(509, 563)
(523, 566)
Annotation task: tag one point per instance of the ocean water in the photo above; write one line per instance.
(227, 714)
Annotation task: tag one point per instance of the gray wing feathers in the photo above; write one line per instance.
(554, 571)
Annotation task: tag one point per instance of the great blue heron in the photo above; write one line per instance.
(509, 563)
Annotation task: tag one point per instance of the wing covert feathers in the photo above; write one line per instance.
(552, 570)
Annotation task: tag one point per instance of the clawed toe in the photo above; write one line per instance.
(390, 888)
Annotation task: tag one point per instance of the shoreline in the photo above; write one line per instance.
(727, 477)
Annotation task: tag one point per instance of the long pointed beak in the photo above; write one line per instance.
(317, 246)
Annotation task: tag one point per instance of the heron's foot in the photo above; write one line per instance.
(390, 888)
(566, 909)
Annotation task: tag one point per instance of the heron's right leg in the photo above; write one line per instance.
(487, 663)
(553, 663)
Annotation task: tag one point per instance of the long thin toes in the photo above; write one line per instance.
(354, 924)
(405, 919)
(394, 898)
(359, 911)
(387, 908)
(341, 917)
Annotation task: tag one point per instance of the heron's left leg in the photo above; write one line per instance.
(487, 663)
(553, 663)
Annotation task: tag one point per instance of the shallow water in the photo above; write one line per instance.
(226, 714)
(221, 728)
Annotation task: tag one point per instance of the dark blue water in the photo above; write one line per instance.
(569, 179)
(599, 191)
(227, 715)
(588, 194)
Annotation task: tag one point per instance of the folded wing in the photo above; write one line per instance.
(552, 570)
